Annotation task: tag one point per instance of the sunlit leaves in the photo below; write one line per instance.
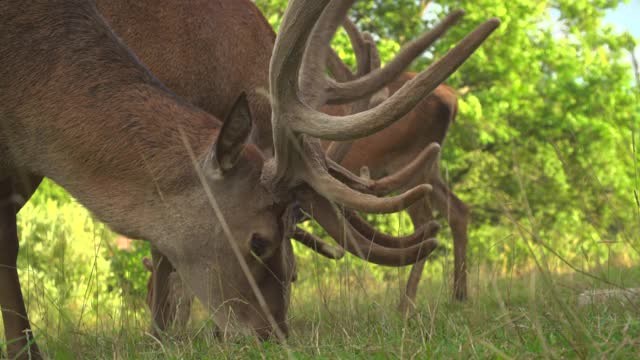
(546, 116)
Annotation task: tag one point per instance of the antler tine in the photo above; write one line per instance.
(338, 68)
(292, 149)
(368, 59)
(338, 150)
(339, 93)
(360, 225)
(391, 183)
(424, 232)
(359, 46)
(374, 63)
(319, 125)
(312, 78)
(316, 244)
(354, 242)
(340, 193)
(373, 59)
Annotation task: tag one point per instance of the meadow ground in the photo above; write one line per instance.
(86, 300)
(526, 315)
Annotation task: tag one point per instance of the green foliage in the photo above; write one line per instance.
(543, 145)
(68, 265)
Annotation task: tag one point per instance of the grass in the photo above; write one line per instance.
(532, 315)
(85, 300)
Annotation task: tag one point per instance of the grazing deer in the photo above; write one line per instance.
(388, 150)
(383, 152)
(199, 32)
(78, 107)
(203, 37)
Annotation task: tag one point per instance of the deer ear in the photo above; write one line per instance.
(234, 134)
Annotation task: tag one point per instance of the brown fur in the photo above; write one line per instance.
(180, 42)
(387, 151)
(398, 144)
(78, 107)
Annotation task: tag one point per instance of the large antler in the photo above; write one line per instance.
(361, 46)
(367, 60)
(293, 118)
(332, 220)
(325, 90)
(338, 68)
(301, 119)
(299, 160)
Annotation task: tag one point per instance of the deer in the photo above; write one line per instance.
(179, 297)
(383, 152)
(149, 30)
(79, 108)
(195, 44)
(388, 150)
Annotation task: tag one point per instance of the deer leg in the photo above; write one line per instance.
(420, 213)
(163, 312)
(17, 328)
(181, 299)
(458, 216)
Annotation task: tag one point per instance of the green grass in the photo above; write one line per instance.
(85, 300)
(528, 316)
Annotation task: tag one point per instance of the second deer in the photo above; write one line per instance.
(386, 151)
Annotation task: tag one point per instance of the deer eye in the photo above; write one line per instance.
(259, 245)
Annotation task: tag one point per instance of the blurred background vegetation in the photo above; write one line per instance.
(543, 150)
(544, 145)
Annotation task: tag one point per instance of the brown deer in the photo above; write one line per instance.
(211, 204)
(383, 152)
(388, 150)
(188, 30)
(203, 38)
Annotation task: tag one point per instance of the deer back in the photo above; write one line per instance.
(388, 150)
(187, 44)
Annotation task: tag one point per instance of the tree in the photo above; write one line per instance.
(544, 145)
